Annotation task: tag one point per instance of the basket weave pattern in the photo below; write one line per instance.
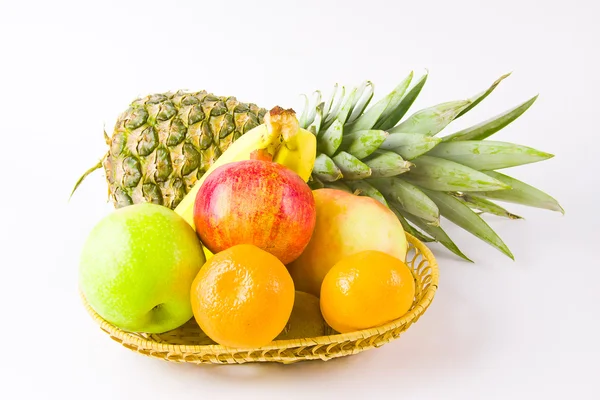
(189, 344)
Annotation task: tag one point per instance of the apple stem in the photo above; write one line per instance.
(261, 154)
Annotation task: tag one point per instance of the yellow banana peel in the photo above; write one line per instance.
(298, 153)
(281, 136)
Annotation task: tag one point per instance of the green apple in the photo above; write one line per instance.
(137, 267)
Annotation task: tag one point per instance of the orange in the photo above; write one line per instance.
(242, 297)
(365, 290)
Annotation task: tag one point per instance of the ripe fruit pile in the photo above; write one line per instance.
(252, 253)
(163, 144)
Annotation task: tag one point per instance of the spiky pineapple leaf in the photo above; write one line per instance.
(521, 193)
(333, 106)
(313, 110)
(368, 119)
(325, 169)
(385, 163)
(414, 150)
(351, 167)
(363, 188)
(397, 113)
(342, 115)
(409, 197)
(362, 143)
(363, 98)
(329, 102)
(86, 174)
(430, 121)
(462, 215)
(436, 232)
(358, 92)
(491, 126)
(395, 140)
(329, 141)
(411, 229)
(315, 125)
(488, 155)
(305, 111)
(484, 205)
(479, 97)
(409, 145)
(443, 175)
(395, 97)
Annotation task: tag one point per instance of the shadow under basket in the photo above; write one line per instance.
(190, 345)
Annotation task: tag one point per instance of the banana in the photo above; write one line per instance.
(298, 153)
(279, 137)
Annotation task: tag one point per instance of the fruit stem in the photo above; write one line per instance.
(283, 125)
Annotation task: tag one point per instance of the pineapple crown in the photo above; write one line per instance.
(402, 163)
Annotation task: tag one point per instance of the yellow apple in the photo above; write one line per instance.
(346, 224)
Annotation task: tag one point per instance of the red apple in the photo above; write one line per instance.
(255, 202)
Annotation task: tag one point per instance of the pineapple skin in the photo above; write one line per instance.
(163, 143)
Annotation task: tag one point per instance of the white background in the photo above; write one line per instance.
(496, 329)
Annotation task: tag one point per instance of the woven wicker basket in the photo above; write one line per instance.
(189, 344)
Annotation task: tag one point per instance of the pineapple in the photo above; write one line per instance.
(163, 143)
(420, 176)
